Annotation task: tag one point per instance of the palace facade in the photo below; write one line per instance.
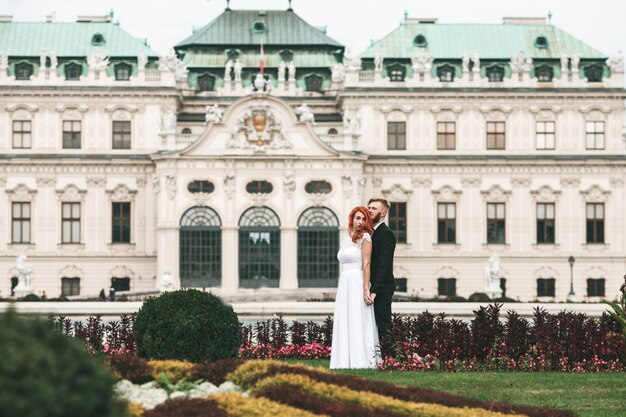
(121, 168)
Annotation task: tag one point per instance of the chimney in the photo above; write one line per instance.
(6, 18)
(94, 19)
(529, 21)
(422, 20)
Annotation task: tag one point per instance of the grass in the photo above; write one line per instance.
(587, 395)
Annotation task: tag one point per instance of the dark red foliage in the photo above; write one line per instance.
(214, 372)
(289, 395)
(100, 336)
(131, 367)
(187, 407)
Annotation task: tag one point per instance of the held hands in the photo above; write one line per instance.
(368, 297)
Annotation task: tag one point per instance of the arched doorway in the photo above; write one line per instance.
(318, 244)
(200, 248)
(259, 248)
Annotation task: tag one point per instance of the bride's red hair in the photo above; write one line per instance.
(369, 227)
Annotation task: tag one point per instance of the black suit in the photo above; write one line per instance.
(381, 276)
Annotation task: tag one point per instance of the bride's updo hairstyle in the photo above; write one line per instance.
(369, 227)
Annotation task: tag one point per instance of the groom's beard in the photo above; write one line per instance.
(376, 219)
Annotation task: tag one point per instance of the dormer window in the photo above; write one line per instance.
(286, 55)
(593, 73)
(122, 72)
(495, 74)
(544, 74)
(258, 27)
(396, 73)
(206, 82)
(541, 42)
(97, 39)
(73, 71)
(420, 41)
(233, 55)
(445, 73)
(313, 83)
(23, 71)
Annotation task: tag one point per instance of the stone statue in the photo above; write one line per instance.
(213, 114)
(167, 282)
(351, 62)
(281, 71)
(465, 63)
(54, 62)
(292, 71)
(238, 66)
(24, 272)
(168, 62)
(378, 61)
(97, 62)
(492, 277)
(180, 70)
(304, 114)
(347, 121)
(4, 62)
(227, 69)
(261, 84)
(476, 62)
(521, 63)
(564, 63)
(42, 58)
(422, 62)
(142, 60)
(357, 122)
(289, 182)
(575, 61)
(616, 63)
(338, 72)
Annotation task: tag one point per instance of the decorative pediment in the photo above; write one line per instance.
(121, 271)
(545, 194)
(446, 193)
(259, 129)
(446, 272)
(545, 272)
(63, 108)
(595, 194)
(396, 107)
(23, 107)
(71, 193)
(71, 271)
(121, 108)
(595, 272)
(496, 110)
(456, 110)
(21, 192)
(397, 193)
(595, 108)
(496, 194)
(546, 111)
(121, 193)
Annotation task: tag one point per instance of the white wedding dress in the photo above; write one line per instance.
(355, 336)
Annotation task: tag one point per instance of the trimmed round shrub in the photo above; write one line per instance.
(46, 374)
(31, 297)
(187, 325)
(479, 297)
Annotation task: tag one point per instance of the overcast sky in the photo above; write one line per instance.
(600, 23)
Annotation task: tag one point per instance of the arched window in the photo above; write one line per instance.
(495, 74)
(123, 71)
(313, 83)
(258, 27)
(259, 248)
(97, 39)
(593, 73)
(396, 73)
(23, 71)
(445, 73)
(203, 186)
(332, 131)
(73, 71)
(420, 41)
(544, 74)
(200, 248)
(206, 82)
(286, 55)
(541, 42)
(318, 244)
(259, 187)
(186, 131)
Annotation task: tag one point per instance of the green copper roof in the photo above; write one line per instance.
(490, 41)
(68, 39)
(280, 27)
(301, 59)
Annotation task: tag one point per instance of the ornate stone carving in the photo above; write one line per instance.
(259, 129)
(545, 194)
(596, 272)
(616, 63)
(545, 272)
(346, 185)
(213, 114)
(520, 182)
(97, 62)
(304, 114)
(318, 199)
(570, 182)
(71, 271)
(121, 193)
(156, 183)
(470, 182)
(289, 185)
(595, 194)
(21, 192)
(521, 63)
(496, 194)
(96, 182)
(422, 62)
(229, 185)
(71, 193)
(446, 193)
(397, 193)
(141, 181)
(616, 182)
(446, 272)
(259, 199)
(121, 271)
(338, 73)
(45, 181)
(170, 186)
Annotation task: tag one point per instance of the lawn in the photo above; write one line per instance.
(588, 395)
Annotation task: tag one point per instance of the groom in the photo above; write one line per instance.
(381, 267)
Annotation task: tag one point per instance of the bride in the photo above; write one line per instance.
(355, 337)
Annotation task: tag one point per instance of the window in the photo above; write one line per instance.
(22, 134)
(123, 72)
(313, 83)
(14, 282)
(594, 134)
(258, 27)
(120, 284)
(332, 131)
(445, 73)
(545, 135)
(286, 55)
(446, 287)
(545, 223)
(595, 287)
(397, 221)
(73, 71)
(495, 223)
(20, 223)
(121, 223)
(541, 42)
(97, 39)
(503, 287)
(206, 82)
(595, 223)
(121, 135)
(259, 187)
(71, 134)
(70, 286)
(318, 244)
(446, 135)
(318, 187)
(495, 74)
(545, 287)
(71, 223)
(420, 41)
(593, 73)
(495, 135)
(396, 135)
(544, 74)
(203, 186)
(446, 223)
(233, 54)
(186, 131)
(200, 248)
(23, 71)
(397, 73)
(259, 248)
